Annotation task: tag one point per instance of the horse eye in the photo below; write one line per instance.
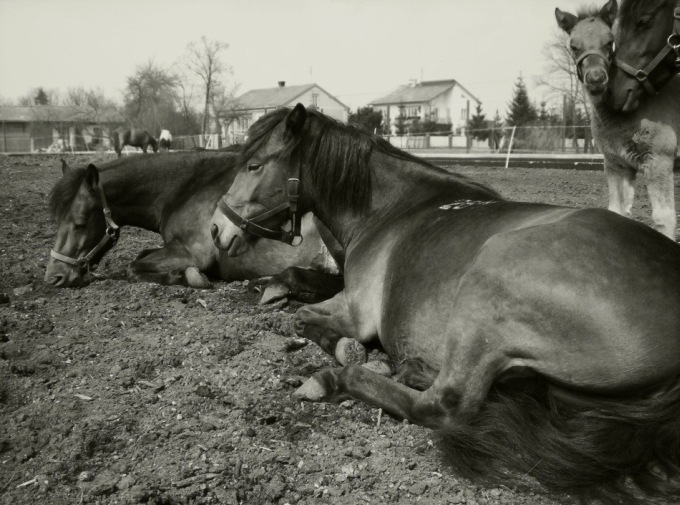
(643, 22)
(574, 49)
(254, 166)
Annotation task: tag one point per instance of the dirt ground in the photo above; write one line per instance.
(139, 393)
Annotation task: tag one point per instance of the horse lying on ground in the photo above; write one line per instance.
(132, 137)
(540, 339)
(645, 136)
(173, 195)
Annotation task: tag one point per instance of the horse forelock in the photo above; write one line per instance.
(588, 11)
(630, 11)
(65, 191)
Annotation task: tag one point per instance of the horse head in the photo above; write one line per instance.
(647, 34)
(592, 45)
(85, 231)
(264, 195)
(153, 142)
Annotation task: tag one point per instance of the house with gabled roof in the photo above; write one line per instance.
(37, 127)
(253, 104)
(446, 102)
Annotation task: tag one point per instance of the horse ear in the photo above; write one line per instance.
(565, 20)
(92, 176)
(608, 12)
(65, 168)
(296, 119)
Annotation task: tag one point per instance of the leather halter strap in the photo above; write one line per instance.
(580, 59)
(253, 226)
(672, 47)
(111, 235)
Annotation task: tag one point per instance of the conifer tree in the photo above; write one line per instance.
(521, 112)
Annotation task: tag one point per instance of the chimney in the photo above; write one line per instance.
(282, 84)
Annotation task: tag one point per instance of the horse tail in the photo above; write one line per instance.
(598, 448)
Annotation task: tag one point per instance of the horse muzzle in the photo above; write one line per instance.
(60, 275)
(227, 236)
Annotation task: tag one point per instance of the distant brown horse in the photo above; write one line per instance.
(132, 137)
(637, 132)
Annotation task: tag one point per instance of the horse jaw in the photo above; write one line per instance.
(229, 237)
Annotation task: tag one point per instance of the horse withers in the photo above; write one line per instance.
(172, 195)
(539, 339)
(165, 140)
(133, 137)
(641, 140)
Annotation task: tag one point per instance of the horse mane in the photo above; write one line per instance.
(588, 11)
(65, 190)
(340, 155)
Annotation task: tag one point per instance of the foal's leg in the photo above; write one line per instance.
(169, 265)
(658, 171)
(620, 180)
(329, 324)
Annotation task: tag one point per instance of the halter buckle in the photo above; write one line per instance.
(641, 75)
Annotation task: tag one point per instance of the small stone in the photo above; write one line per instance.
(22, 290)
(418, 488)
(126, 482)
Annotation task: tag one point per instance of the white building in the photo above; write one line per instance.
(446, 102)
(255, 103)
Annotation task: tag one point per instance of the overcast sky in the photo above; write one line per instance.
(356, 50)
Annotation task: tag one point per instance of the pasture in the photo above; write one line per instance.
(140, 393)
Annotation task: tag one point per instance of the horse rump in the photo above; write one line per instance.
(607, 449)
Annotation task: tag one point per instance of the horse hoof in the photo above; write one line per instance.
(350, 352)
(195, 279)
(379, 367)
(312, 390)
(274, 293)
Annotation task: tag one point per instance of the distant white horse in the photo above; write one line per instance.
(165, 140)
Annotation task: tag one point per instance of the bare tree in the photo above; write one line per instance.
(150, 93)
(204, 60)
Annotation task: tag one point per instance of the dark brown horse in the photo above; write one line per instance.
(540, 339)
(644, 139)
(173, 195)
(133, 137)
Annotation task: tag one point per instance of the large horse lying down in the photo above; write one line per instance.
(538, 339)
(173, 195)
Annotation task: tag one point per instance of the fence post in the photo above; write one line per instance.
(450, 140)
(427, 141)
(512, 137)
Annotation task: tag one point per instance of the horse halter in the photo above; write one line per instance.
(110, 236)
(579, 61)
(672, 47)
(252, 225)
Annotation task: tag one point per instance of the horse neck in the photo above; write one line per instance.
(398, 186)
(139, 192)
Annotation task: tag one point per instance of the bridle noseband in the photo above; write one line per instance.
(110, 237)
(671, 47)
(253, 226)
(579, 61)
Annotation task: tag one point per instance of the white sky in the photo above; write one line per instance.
(356, 50)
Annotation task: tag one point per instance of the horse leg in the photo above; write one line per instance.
(658, 172)
(620, 180)
(303, 284)
(330, 326)
(168, 265)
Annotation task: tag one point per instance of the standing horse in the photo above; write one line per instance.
(643, 136)
(538, 338)
(132, 137)
(165, 140)
(170, 195)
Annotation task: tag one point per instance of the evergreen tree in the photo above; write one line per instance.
(477, 124)
(41, 97)
(368, 119)
(521, 112)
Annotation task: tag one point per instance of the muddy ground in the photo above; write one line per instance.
(139, 393)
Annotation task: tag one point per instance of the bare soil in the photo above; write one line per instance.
(140, 393)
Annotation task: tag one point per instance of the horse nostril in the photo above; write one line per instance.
(596, 77)
(214, 231)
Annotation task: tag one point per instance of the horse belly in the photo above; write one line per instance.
(586, 306)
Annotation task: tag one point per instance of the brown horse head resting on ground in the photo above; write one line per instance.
(170, 195)
(133, 137)
(647, 34)
(641, 141)
(539, 339)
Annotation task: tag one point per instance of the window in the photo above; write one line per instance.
(433, 114)
(315, 99)
(413, 111)
(463, 113)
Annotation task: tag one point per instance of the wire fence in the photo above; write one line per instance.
(529, 139)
